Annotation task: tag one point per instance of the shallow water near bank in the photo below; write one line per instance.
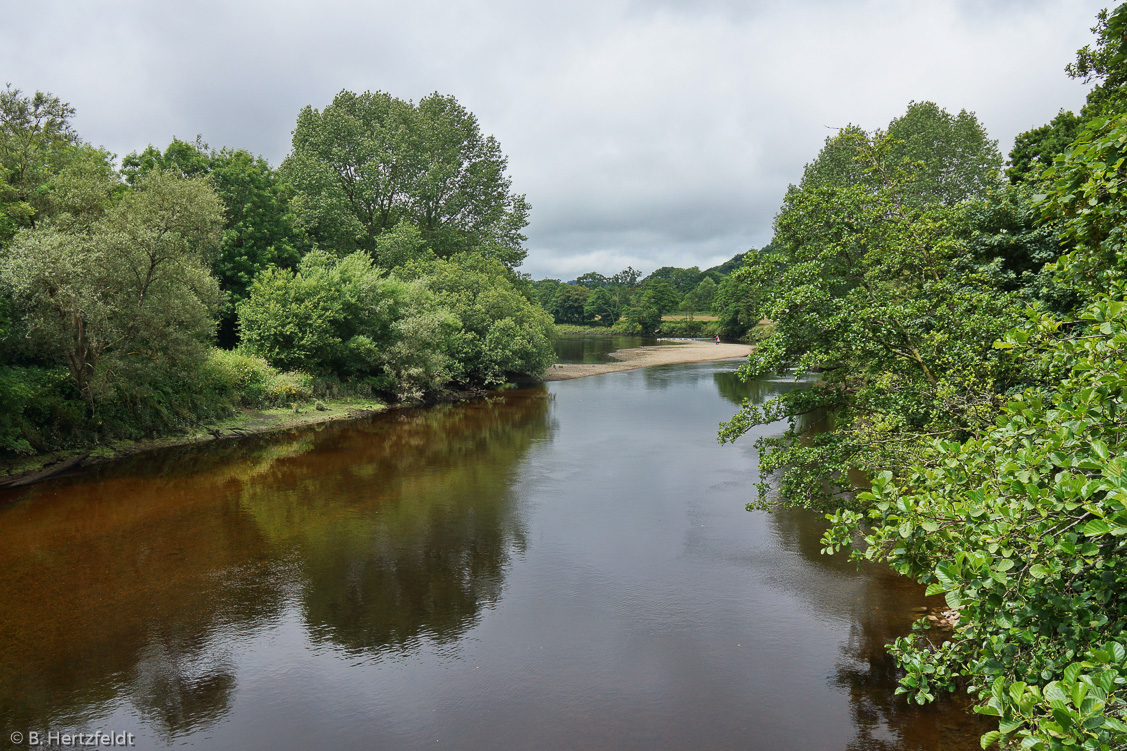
(558, 567)
(588, 350)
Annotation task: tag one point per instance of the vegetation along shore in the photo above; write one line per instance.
(965, 316)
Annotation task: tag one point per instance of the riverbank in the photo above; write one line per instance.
(644, 357)
(244, 422)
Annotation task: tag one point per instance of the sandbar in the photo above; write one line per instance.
(644, 357)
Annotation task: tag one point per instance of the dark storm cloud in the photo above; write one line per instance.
(644, 133)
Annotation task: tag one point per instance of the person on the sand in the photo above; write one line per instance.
(717, 339)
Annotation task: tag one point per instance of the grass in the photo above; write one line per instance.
(570, 329)
(689, 316)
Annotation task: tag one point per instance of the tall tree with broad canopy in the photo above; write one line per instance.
(872, 283)
(1021, 525)
(370, 161)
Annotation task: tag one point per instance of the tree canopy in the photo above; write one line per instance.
(370, 161)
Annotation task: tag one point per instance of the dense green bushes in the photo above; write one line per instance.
(246, 380)
(996, 457)
(112, 284)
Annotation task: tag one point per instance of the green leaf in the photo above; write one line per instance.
(1096, 527)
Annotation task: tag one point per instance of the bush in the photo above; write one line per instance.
(38, 410)
(248, 380)
(240, 376)
(289, 387)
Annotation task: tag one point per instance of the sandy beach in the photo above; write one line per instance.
(644, 357)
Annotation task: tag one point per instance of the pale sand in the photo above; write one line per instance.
(644, 357)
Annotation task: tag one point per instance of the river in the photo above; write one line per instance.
(566, 566)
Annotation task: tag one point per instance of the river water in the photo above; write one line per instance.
(567, 566)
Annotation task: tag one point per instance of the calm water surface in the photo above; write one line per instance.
(594, 349)
(561, 567)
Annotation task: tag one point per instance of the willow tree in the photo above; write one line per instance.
(127, 299)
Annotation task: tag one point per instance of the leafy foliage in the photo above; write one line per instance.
(872, 283)
(260, 229)
(1022, 526)
(129, 294)
(368, 162)
(1035, 150)
(1021, 523)
(1106, 63)
(500, 333)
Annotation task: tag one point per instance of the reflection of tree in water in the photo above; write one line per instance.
(138, 581)
(103, 578)
(178, 689)
(882, 606)
(405, 530)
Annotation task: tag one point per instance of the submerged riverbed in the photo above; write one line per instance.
(559, 567)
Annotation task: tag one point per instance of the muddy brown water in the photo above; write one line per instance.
(567, 566)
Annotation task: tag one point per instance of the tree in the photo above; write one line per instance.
(1105, 63)
(741, 297)
(570, 304)
(370, 161)
(628, 277)
(874, 285)
(607, 304)
(660, 295)
(260, 229)
(700, 298)
(544, 291)
(1035, 149)
(128, 300)
(35, 139)
(592, 280)
(1020, 524)
(500, 334)
(953, 160)
(682, 280)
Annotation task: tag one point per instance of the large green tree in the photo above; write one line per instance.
(950, 158)
(370, 161)
(874, 285)
(260, 228)
(35, 139)
(127, 299)
(1022, 524)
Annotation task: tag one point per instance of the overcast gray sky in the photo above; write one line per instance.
(644, 132)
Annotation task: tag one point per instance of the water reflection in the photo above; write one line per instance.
(139, 586)
(561, 567)
(759, 390)
(880, 606)
(593, 349)
(405, 530)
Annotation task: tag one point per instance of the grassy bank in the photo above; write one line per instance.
(242, 422)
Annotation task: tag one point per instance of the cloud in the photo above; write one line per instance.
(643, 133)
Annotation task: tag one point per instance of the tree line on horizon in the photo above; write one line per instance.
(376, 261)
(967, 326)
(627, 303)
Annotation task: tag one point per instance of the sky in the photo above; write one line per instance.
(644, 133)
